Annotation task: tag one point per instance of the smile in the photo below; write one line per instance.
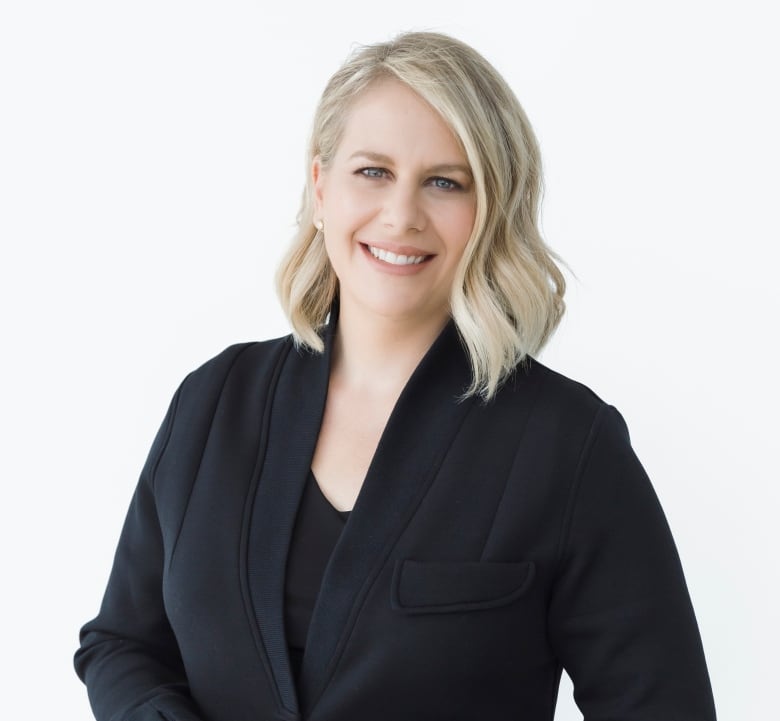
(393, 259)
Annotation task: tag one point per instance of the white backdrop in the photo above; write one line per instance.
(151, 161)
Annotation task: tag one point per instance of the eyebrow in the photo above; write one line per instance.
(387, 160)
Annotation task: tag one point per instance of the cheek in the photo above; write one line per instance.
(458, 226)
(346, 207)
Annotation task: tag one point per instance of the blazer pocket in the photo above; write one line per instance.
(446, 587)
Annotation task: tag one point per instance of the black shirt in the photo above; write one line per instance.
(318, 526)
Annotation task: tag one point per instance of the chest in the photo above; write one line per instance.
(448, 549)
(352, 426)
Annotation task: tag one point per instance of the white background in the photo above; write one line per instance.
(151, 162)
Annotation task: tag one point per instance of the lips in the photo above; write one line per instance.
(395, 258)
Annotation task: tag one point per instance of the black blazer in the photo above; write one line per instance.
(490, 546)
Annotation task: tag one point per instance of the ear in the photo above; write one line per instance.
(317, 176)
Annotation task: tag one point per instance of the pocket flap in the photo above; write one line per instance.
(443, 587)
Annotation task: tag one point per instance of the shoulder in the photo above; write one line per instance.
(241, 371)
(249, 360)
(563, 415)
(564, 400)
(229, 385)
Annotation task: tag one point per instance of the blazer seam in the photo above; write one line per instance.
(168, 432)
(249, 502)
(582, 464)
(229, 369)
(512, 467)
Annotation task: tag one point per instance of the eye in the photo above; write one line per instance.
(445, 184)
(372, 172)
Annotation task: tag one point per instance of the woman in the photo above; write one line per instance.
(396, 513)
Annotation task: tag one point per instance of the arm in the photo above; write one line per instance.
(620, 617)
(129, 657)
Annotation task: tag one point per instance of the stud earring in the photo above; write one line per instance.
(319, 225)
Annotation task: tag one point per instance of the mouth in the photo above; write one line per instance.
(397, 259)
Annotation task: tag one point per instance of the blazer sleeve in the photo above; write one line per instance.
(620, 617)
(129, 657)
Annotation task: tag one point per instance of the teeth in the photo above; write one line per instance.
(394, 259)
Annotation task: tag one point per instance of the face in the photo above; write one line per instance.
(398, 205)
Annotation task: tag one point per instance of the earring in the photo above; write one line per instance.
(319, 225)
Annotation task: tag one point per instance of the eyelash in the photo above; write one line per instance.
(368, 173)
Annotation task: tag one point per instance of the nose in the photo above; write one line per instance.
(402, 210)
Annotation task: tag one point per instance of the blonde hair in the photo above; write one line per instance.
(507, 296)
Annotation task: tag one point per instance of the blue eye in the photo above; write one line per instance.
(372, 172)
(445, 184)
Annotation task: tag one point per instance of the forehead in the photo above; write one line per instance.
(390, 118)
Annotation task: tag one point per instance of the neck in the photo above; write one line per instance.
(378, 355)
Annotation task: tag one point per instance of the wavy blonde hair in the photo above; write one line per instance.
(507, 296)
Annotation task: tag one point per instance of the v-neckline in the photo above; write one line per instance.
(343, 515)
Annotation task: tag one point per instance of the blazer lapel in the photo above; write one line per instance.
(417, 436)
(296, 415)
